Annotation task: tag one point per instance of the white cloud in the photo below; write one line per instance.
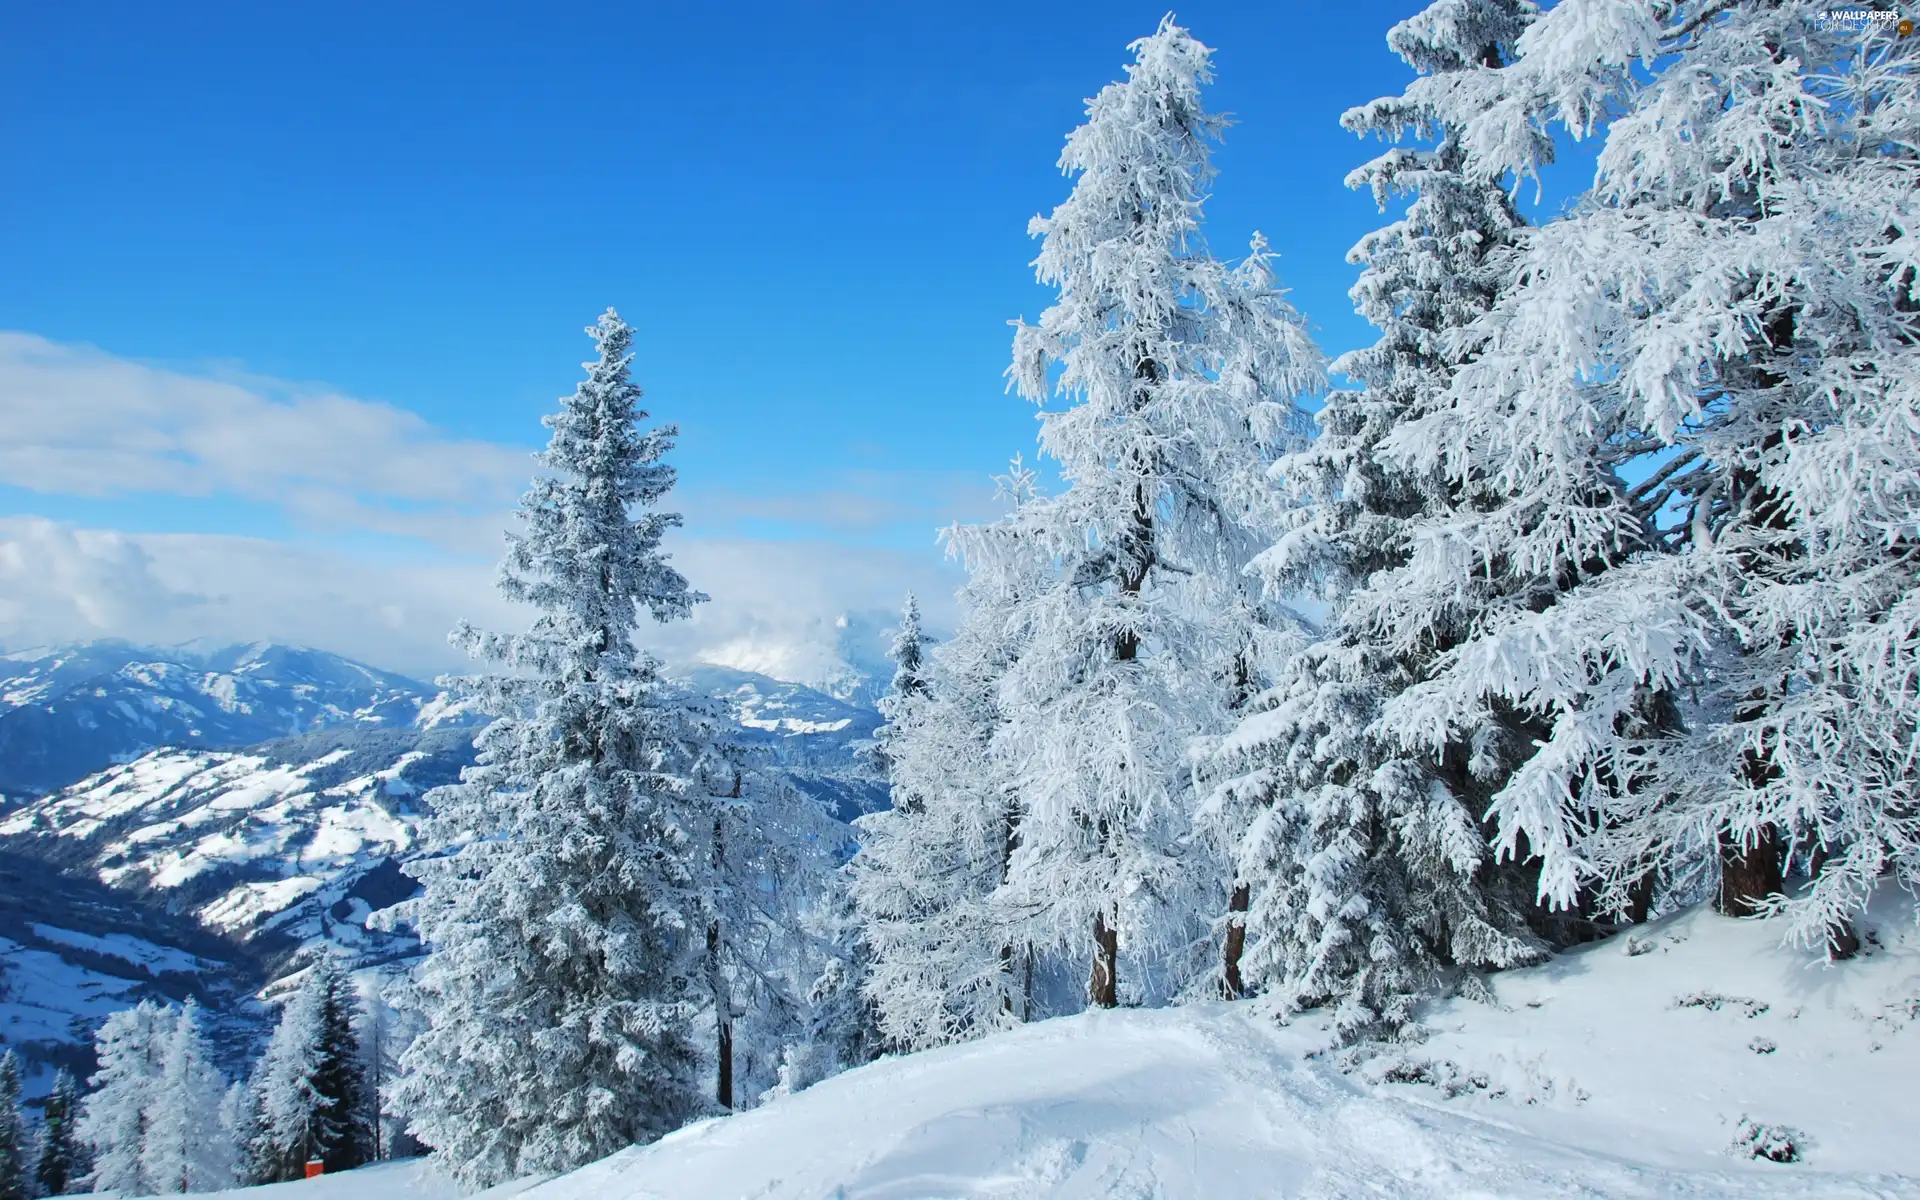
(59, 583)
(80, 422)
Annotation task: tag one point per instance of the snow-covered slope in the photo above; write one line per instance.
(68, 712)
(1612, 1072)
(72, 951)
(1606, 1074)
(1672, 1037)
(299, 839)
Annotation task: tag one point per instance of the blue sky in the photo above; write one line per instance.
(814, 214)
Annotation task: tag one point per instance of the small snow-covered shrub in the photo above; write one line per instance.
(1775, 1143)
(1714, 1002)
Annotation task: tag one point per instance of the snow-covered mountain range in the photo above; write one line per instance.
(69, 711)
(221, 809)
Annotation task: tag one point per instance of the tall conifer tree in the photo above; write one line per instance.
(312, 1102)
(14, 1175)
(948, 962)
(1177, 377)
(1368, 872)
(565, 918)
(61, 1164)
(187, 1148)
(1730, 316)
(131, 1050)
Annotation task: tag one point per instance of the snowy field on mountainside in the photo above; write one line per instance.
(1623, 1069)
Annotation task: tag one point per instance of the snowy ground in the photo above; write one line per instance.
(1605, 1073)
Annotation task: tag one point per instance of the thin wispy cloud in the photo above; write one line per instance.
(81, 422)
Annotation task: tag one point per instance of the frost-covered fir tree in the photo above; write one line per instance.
(399, 1025)
(1366, 872)
(14, 1176)
(765, 866)
(131, 1050)
(380, 1047)
(840, 1028)
(564, 918)
(843, 1021)
(310, 1094)
(1177, 377)
(1734, 305)
(187, 1148)
(239, 1118)
(62, 1162)
(909, 653)
(946, 960)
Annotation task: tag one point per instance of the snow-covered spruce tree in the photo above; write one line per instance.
(401, 1024)
(311, 1096)
(384, 1033)
(1365, 872)
(62, 1162)
(564, 921)
(131, 1050)
(909, 653)
(909, 684)
(1737, 294)
(946, 964)
(187, 1149)
(15, 1179)
(1178, 376)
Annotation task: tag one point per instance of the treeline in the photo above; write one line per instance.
(159, 1118)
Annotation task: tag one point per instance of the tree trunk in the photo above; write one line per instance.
(1236, 940)
(1843, 940)
(1009, 842)
(1750, 873)
(1640, 899)
(722, 1018)
(1026, 988)
(1103, 990)
(716, 970)
(724, 1091)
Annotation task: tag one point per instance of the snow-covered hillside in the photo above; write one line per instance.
(812, 736)
(72, 950)
(1635, 1067)
(296, 838)
(301, 838)
(253, 852)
